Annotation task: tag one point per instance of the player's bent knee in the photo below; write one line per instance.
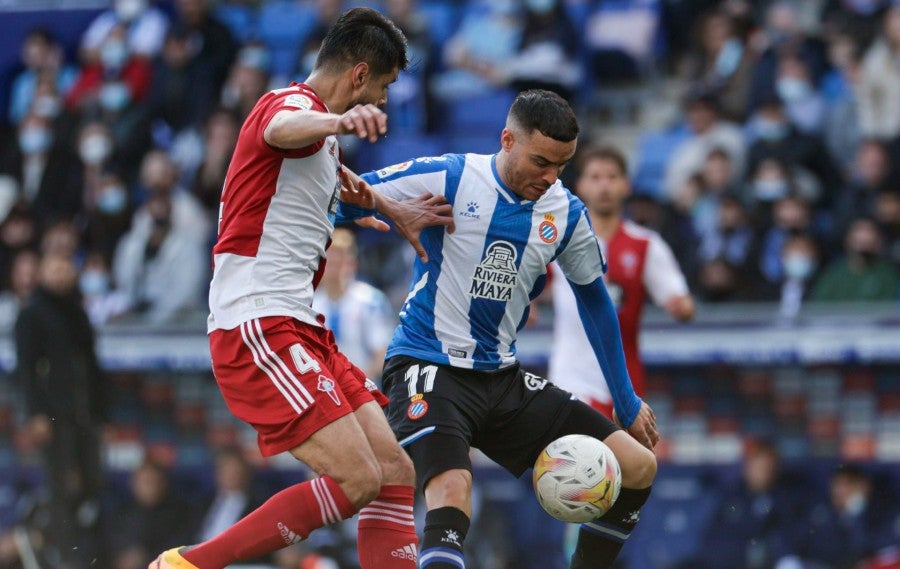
(639, 468)
(362, 483)
(397, 467)
(450, 488)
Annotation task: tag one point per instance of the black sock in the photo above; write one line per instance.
(600, 541)
(442, 544)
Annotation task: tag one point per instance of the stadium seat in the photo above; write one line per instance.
(240, 20)
(396, 148)
(482, 114)
(443, 19)
(654, 151)
(283, 26)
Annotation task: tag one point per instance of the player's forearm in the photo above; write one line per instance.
(601, 324)
(295, 129)
(681, 307)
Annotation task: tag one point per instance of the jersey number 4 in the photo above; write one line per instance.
(412, 378)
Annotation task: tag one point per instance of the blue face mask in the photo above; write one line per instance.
(33, 140)
(112, 200)
(770, 130)
(93, 282)
(114, 54)
(770, 189)
(114, 96)
(729, 58)
(540, 6)
(798, 267)
(792, 89)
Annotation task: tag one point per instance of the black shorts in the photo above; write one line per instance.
(508, 414)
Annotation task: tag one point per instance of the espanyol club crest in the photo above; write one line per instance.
(547, 230)
(326, 385)
(417, 407)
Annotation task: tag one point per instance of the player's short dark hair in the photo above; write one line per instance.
(546, 112)
(363, 34)
(606, 153)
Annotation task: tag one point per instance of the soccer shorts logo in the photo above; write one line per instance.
(326, 385)
(417, 408)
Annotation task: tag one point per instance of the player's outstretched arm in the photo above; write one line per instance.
(290, 129)
(410, 217)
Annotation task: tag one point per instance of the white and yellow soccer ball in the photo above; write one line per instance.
(577, 478)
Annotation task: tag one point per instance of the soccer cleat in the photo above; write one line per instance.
(171, 559)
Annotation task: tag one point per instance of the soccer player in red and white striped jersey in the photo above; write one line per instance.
(276, 364)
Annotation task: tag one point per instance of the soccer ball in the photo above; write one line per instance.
(577, 478)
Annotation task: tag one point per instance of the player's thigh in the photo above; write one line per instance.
(396, 466)
(273, 374)
(524, 419)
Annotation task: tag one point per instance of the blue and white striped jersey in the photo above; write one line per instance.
(467, 303)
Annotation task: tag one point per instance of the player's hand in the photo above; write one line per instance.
(410, 217)
(355, 190)
(365, 121)
(643, 428)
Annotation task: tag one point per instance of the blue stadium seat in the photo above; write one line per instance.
(653, 154)
(475, 142)
(443, 18)
(482, 114)
(283, 26)
(396, 148)
(240, 20)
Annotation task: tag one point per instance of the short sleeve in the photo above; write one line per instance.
(582, 261)
(662, 277)
(288, 99)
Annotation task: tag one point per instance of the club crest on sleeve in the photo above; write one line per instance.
(417, 407)
(298, 101)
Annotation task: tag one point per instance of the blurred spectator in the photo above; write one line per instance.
(800, 263)
(771, 135)
(66, 403)
(18, 232)
(42, 58)
(145, 29)
(358, 313)
(60, 239)
(247, 80)
(182, 87)
(107, 216)
(863, 274)
(149, 519)
(115, 80)
(804, 106)
(870, 175)
(859, 19)
(852, 525)
(879, 90)
(162, 264)
(44, 171)
(478, 54)
(840, 87)
(783, 36)
(720, 64)
(791, 216)
(887, 214)
(211, 40)
(732, 239)
(547, 51)
(327, 12)
(708, 131)
(715, 180)
(101, 302)
(22, 281)
(220, 138)
(748, 527)
(410, 105)
(721, 281)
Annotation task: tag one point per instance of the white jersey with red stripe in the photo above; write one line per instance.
(276, 217)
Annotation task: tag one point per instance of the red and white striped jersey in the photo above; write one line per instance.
(276, 217)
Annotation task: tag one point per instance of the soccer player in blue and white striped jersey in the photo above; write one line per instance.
(451, 369)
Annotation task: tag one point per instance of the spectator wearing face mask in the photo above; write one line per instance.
(804, 105)
(791, 216)
(732, 239)
(114, 80)
(108, 214)
(869, 176)
(42, 57)
(101, 301)
(144, 24)
(863, 274)
(799, 262)
(42, 170)
(853, 523)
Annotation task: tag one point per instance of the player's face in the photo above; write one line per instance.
(374, 90)
(533, 162)
(602, 186)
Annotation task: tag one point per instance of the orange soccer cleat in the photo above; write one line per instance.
(171, 559)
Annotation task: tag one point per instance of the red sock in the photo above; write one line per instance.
(285, 518)
(387, 531)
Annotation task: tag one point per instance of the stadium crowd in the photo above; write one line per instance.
(779, 181)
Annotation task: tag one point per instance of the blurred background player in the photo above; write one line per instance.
(358, 314)
(640, 264)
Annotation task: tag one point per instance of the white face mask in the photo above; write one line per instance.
(792, 89)
(114, 54)
(94, 149)
(46, 106)
(128, 10)
(114, 96)
(33, 139)
(770, 189)
(798, 266)
(112, 200)
(540, 6)
(93, 282)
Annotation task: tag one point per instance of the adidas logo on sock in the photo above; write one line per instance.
(287, 535)
(405, 552)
